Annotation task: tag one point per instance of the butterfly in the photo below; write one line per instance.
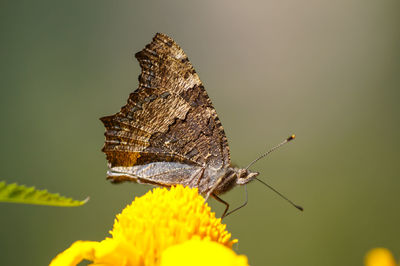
(169, 133)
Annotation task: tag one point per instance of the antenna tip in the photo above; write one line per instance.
(299, 207)
(291, 137)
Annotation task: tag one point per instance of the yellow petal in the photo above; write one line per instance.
(379, 257)
(78, 251)
(197, 252)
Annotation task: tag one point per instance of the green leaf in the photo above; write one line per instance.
(30, 195)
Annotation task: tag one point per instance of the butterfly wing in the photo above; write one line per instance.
(169, 126)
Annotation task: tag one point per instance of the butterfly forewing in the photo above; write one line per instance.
(169, 129)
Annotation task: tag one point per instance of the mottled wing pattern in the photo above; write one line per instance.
(169, 118)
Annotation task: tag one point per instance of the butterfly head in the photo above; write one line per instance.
(244, 176)
(234, 176)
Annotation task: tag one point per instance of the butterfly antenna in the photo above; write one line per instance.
(280, 194)
(271, 150)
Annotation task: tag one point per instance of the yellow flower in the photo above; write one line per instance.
(154, 223)
(379, 257)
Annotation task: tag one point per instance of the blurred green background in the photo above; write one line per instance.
(328, 71)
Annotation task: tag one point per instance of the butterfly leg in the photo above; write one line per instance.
(211, 190)
(223, 202)
(195, 179)
(227, 205)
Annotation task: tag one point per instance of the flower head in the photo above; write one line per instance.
(153, 223)
(379, 257)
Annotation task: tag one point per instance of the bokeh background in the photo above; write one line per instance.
(328, 71)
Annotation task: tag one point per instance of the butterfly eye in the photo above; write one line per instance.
(242, 173)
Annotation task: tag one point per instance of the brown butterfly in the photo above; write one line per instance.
(169, 132)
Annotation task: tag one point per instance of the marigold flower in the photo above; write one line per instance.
(153, 223)
(379, 257)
